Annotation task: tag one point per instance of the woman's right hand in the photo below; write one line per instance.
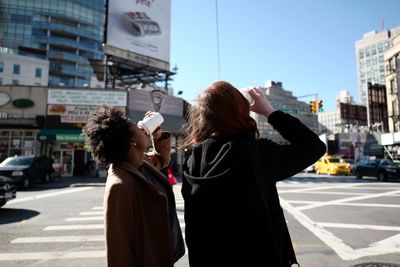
(261, 104)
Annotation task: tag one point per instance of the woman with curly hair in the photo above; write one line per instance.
(141, 224)
(232, 212)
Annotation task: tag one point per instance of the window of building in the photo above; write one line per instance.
(393, 86)
(1, 66)
(23, 19)
(15, 82)
(16, 69)
(38, 73)
(1, 81)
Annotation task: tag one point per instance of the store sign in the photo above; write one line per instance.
(8, 115)
(87, 97)
(69, 138)
(22, 103)
(71, 114)
(4, 98)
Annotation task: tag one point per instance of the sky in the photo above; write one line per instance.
(308, 45)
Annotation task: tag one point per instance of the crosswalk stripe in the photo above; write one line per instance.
(73, 227)
(76, 219)
(91, 213)
(50, 255)
(52, 239)
(98, 208)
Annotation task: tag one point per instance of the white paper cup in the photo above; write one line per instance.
(247, 96)
(149, 124)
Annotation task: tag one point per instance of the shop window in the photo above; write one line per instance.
(4, 133)
(16, 133)
(29, 133)
(3, 146)
(28, 143)
(15, 142)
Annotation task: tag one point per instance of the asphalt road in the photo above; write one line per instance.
(333, 221)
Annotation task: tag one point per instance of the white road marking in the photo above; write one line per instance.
(344, 251)
(98, 208)
(77, 219)
(41, 196)
(50, 255)
(52, 239)
(327, 193)
(332, 202)
(346, 204)
(91, 213)
(359, 226)
(307, 189)
(73, 227)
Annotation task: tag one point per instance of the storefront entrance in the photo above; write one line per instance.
(63, 161)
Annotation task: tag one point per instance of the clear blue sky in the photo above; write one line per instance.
(308, 45)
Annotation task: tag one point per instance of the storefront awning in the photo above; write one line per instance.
(61, 135)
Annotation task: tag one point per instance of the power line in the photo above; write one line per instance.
(217, 24)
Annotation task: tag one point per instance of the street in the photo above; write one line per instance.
(333, 220)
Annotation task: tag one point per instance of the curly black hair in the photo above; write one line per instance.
(108, 134)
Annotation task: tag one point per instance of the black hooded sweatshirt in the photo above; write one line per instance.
(227, 222)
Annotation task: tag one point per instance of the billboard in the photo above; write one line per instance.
(75, 106)
(140, 26)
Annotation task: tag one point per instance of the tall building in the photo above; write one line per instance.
(67, 33)
(370, 59)
(284, 100)
(392, 63)
(17, 69)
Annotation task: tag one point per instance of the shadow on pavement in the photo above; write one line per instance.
(16, 215)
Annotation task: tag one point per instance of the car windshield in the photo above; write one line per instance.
(16, 161)
(388, 163)
(335, 160)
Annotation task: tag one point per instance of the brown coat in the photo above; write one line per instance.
(136, 221)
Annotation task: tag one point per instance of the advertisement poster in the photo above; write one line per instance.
(140, 26)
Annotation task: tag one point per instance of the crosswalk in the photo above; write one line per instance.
(78, 236)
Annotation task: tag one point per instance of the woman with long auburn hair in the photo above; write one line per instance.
(232, 212)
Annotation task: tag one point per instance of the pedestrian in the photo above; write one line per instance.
(232, 212)
(141, 224)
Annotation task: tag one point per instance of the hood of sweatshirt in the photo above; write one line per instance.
(216, 159)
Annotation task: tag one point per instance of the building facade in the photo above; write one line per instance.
(370, 52)
(284, 100)
(16, 69)
(392, 81)
(329, 122)
(67, 33)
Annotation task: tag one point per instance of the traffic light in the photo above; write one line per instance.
(320, 109)
(313, 106)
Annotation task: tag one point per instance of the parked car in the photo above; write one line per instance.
(383, 169)
(309, 169)
(22, 170)
(351, 164)
(332, 165)
(7, 191)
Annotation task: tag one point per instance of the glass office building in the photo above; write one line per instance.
(370, 52)
(68, 33)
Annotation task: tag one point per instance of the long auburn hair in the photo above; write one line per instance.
(220, 110)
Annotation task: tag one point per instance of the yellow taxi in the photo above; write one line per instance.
(332, 165)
